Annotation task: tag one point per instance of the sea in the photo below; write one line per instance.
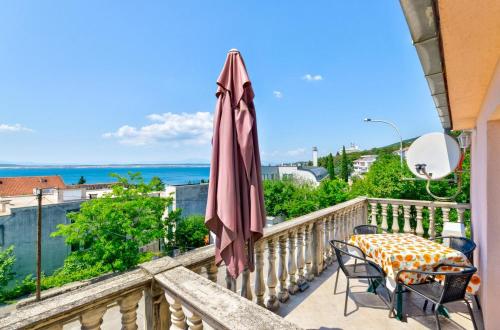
(170, 174)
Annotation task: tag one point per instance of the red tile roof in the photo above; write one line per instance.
(24, 185)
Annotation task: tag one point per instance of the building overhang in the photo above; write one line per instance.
(458, 44)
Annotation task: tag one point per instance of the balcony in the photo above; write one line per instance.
(189, 291)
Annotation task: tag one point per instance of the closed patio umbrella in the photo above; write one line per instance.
(235, 205)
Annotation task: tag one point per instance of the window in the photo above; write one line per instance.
(1, 235)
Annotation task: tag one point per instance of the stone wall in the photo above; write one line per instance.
(191, 198)
(19, 229)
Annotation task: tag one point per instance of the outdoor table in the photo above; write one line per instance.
(395, 252)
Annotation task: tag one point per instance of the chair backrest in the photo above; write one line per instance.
(343, 249)
(455, 284)
(462, 244)
(365, 229)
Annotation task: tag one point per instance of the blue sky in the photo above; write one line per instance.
(129, 81)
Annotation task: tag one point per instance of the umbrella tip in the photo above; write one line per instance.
(233, 50)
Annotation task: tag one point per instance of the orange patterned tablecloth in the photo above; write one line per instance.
(395, 252)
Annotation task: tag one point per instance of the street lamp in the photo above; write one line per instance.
(369, 120)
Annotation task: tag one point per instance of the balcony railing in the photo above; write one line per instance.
(183, 292)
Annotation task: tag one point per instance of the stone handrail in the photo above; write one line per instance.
(385, 210)
(173, 298)
(88, 304)
(195, 301)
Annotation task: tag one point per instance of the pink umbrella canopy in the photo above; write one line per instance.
(235, 205)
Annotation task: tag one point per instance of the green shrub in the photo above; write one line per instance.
(191, 232)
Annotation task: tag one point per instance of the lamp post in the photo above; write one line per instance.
(369, 120)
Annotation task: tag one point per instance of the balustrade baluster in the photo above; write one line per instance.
(460, 215)
(308, 239)
(292, 265)
(420, 227)
(332, 236)
(373, 210)
(92, 319)
(156, 312)
(395, 218)
(318, 240)
(282, 271)
(328, 251)
(212, 271)
(259, 286)
(177, 317)
(344, 226)
(359, 215)
(246, 287)
(272, 301)
(301, 281)
(350, 222)
(128, 309)
(230, 281)
(384, 225)
(407, 227)
(432, 227)
(446, 213)
(193, 319)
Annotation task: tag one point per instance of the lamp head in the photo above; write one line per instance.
(367, 119)
(464, 140)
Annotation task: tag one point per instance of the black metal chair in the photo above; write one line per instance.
(365, 269)
(462, 244)
(365, 229)
(452, 289)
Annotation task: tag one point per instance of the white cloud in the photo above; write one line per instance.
(278, 94)
(296, 152)
(174, 128)
(5, 128)
(310, 77)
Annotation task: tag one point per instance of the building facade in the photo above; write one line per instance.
(362, 165)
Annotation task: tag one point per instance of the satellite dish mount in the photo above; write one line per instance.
(434, 156)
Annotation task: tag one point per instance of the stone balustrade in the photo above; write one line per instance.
(174, 298)
(182, 292)
(289, 255)
(416, 217)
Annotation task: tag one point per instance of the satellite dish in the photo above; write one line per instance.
(435, 154)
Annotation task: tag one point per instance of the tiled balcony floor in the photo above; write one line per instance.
(319, 308)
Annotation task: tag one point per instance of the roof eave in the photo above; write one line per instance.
(422, 18)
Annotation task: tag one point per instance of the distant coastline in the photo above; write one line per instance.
(71, 174)
(13, 166)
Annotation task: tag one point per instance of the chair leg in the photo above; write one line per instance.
(346, 297)
(471, 312)
(336, 281)
(477, 302)
(436, 315)
(391, 310)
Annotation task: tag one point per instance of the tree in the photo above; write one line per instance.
(385, 179)
(111, 229)
(331, 192)
(82, 180)
(344, 169)
(191, 232)
(330, 166)
(7, 260)
(157, 184)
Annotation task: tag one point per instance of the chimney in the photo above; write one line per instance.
(315, 156)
